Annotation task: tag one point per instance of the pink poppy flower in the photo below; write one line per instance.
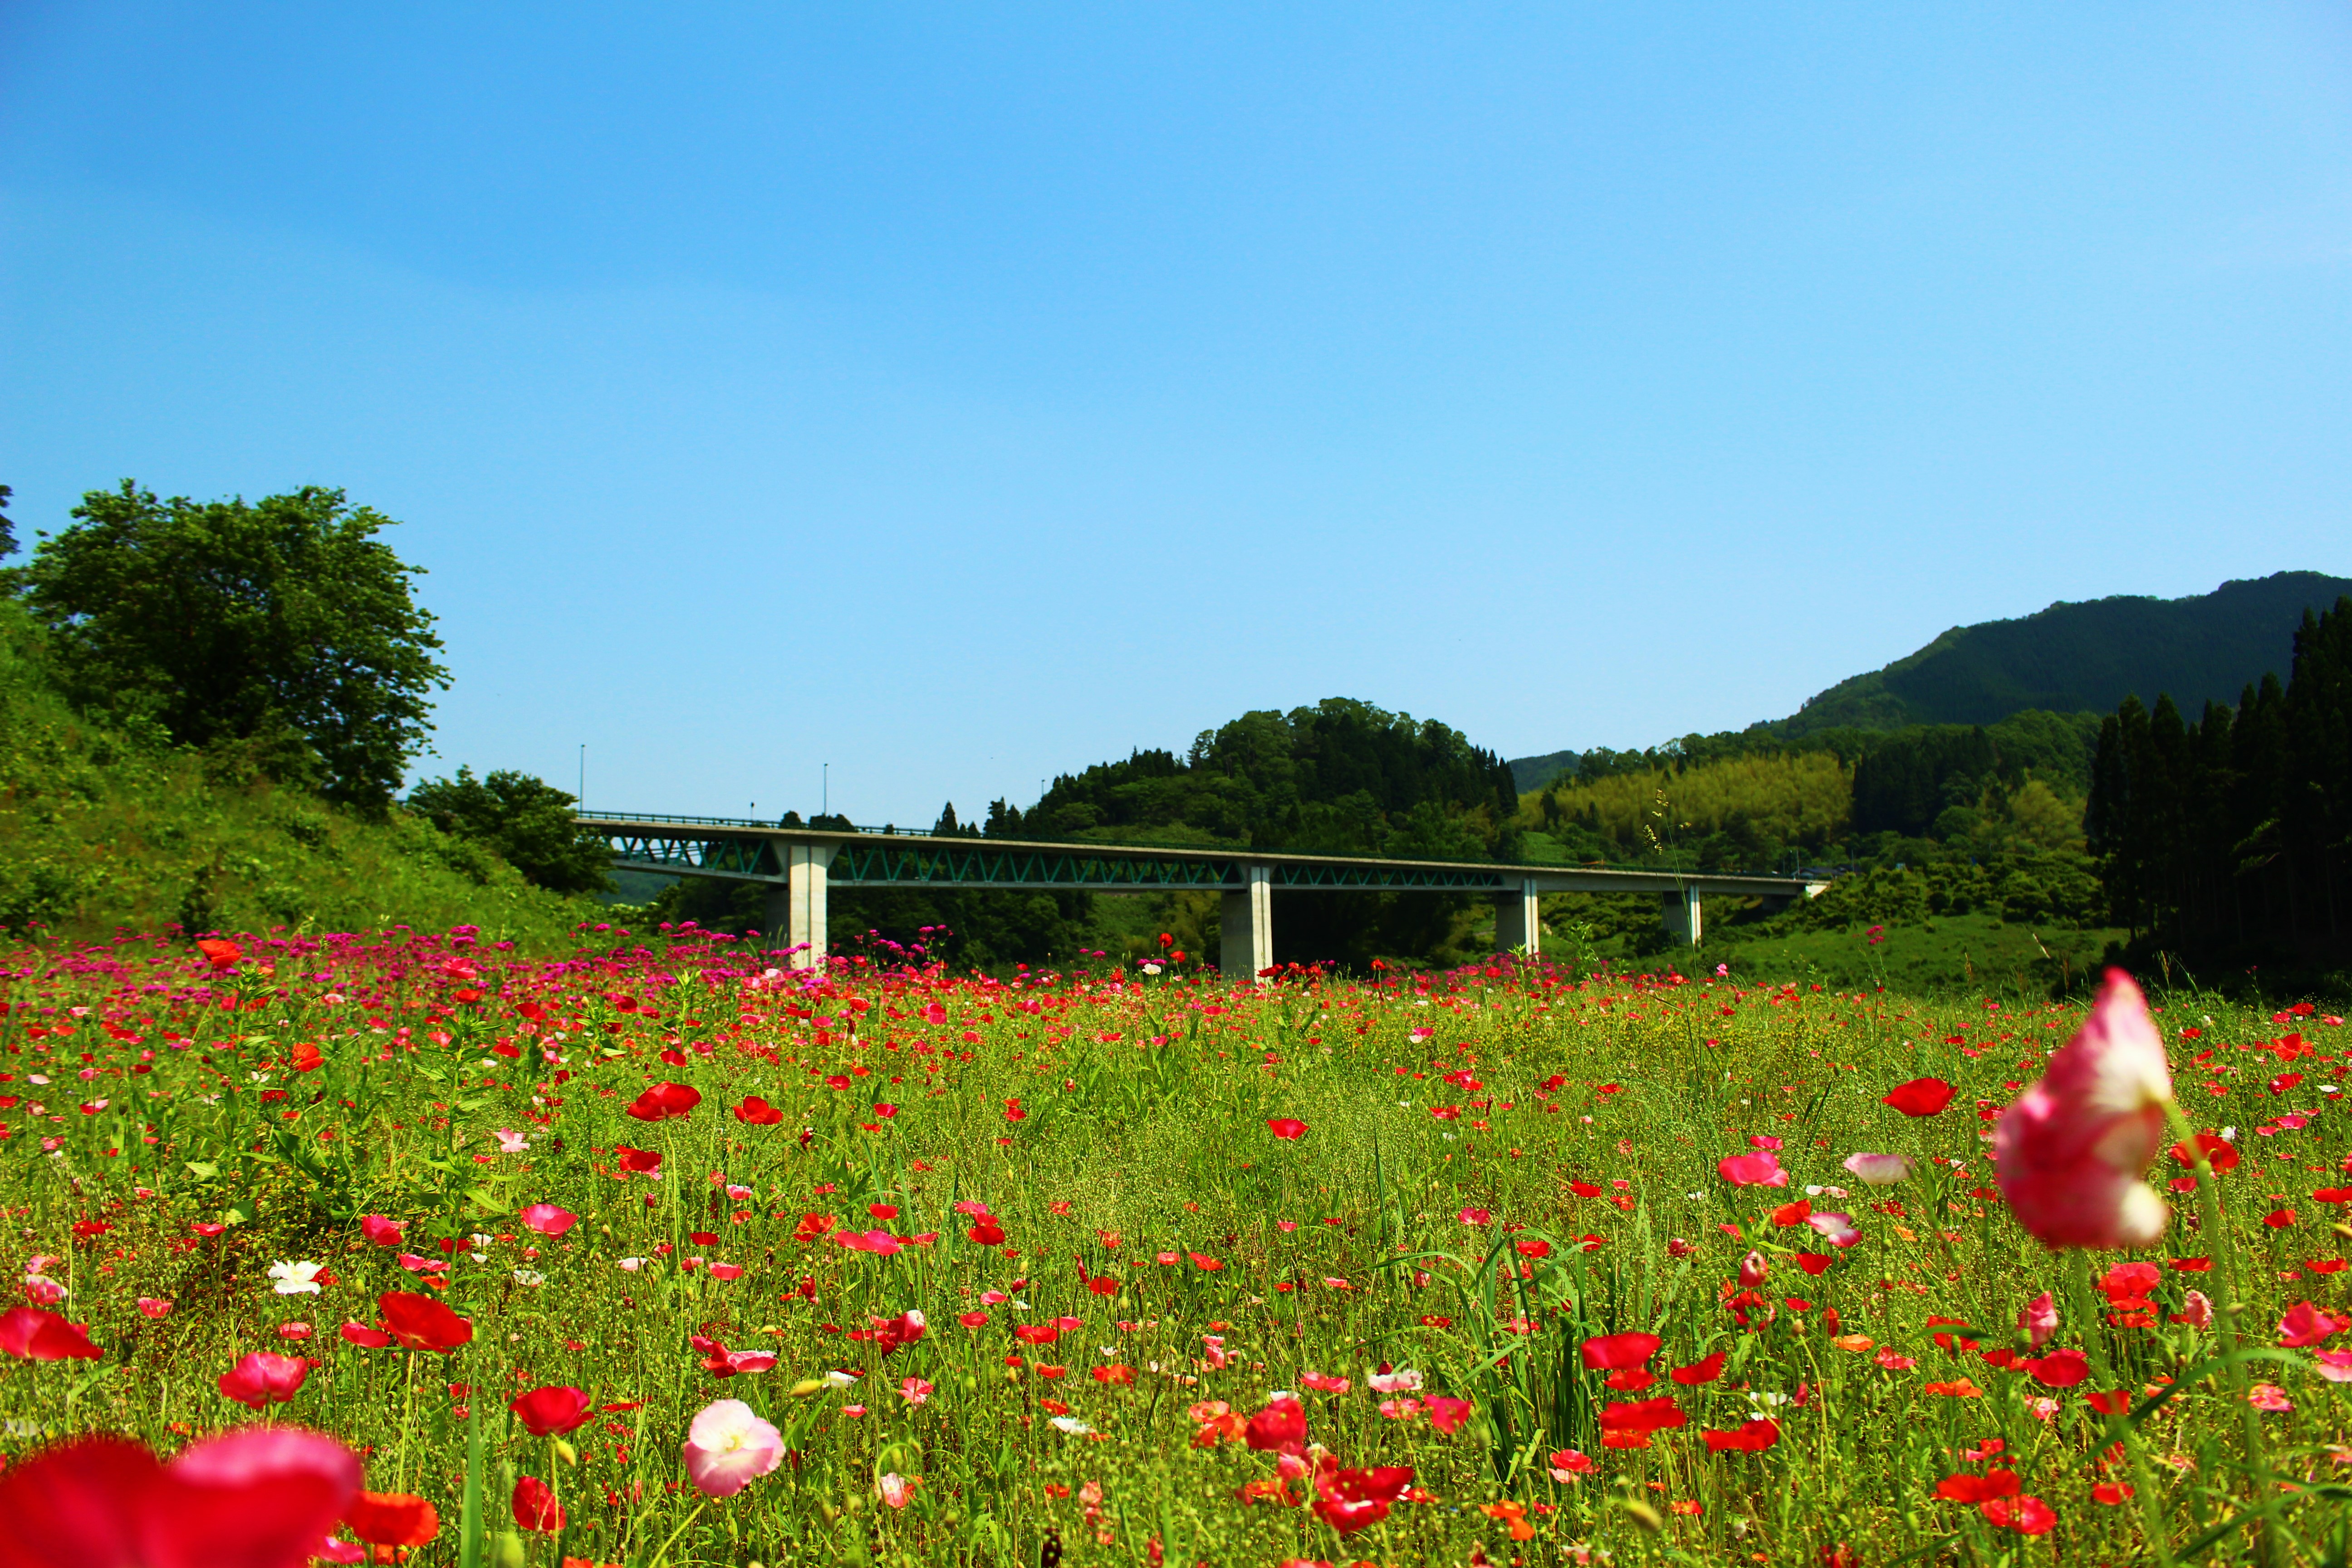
(2073, 1148)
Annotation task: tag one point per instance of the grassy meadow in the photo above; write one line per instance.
(1138, 1213)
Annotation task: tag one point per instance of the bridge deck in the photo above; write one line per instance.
(760, 852)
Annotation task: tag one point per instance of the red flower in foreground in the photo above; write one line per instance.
(262, 1379)
(393, 1519)
(2072, 1149)
(534, 1506)
(422, 1323)
(757, 1113)
(220, 954)
(37, 1335)
(1285, 1126)
(1699, 1372)
(2218, 1152)
(1629, 1426)
(1609, 1352)
(1920, 1097)
(1448, 1413)
(552, 1411)
(1280, 1427)
(263, 1497)
(643, 1160)
(2058, 1369)
(382, 1232)
(2025, 1515)
(663, 1101)
(1748, 1438)
(1974, 1490)
(367, 1338)
(1349, 1501)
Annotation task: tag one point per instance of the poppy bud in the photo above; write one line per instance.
(1752, 1269)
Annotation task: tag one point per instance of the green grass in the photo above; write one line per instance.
(1590, 1119)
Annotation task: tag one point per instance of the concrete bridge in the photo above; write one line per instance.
(801, 865)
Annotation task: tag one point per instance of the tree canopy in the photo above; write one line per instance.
(527, 822)
(285, 624)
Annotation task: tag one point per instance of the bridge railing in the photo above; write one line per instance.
(661, 819)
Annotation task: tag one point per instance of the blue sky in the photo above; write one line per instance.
(957, 395)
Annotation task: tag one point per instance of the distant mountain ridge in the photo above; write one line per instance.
(2069, 658)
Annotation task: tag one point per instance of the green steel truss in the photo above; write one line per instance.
(890, 861)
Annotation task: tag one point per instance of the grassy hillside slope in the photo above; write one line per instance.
(100, 829)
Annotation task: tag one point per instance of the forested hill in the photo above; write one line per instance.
(2082, 658)
(1343, 776)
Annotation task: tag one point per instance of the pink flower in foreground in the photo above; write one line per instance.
(2306, 1325)
(1752, 1170)
(380, 1231)
(728, 1448)
(1879, 1170)
(547, 1219)
(37, 1335)
(263, 1497)
(2335, 1366)
(2073, 1148)
(2039, 1321)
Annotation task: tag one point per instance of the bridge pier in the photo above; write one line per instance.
(796, 906)
(1245, 927)
(1519, 920)
(1683, 915)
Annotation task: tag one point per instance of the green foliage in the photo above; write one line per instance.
(104, 827)
(526, 822)
(7, 529)
(283, 626)
(2232, 836)
(2076, 657)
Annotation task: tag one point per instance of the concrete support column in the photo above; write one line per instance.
(796, 908)
(1245, 942)
(1518, 923)
(1683, 915)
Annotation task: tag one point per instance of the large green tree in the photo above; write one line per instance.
(527, 822)
(285, 623)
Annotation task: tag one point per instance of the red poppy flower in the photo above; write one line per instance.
(1608, 1352)
(262, 1379)
(758, 1112)
(382, 1232)
(2058, 1369)
(37, 1335)
(534, 1506)
(2279, 1219)
(422, 1323)
(1699, 1372)
(1814, 1263)
(1974, 1490)
(2218, 1152)
(219, 953)
(2306, 1325)
(1920, 1097)
(367, 1338)
(263, 1497)
(393, 1519)
(1281, 1426)
(1287, 1127)
(664, 1101)
(986, 1232)
(552, 1411)
(1629, 1426)
(1748, 1438)
(1349, 1501)
(637, 1159)
(2025, 1515)
(1448, 1413)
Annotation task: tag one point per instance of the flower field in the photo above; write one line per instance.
(408, 1248)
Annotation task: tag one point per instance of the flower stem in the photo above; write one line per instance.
(2120, 1430)
(2208, 1219)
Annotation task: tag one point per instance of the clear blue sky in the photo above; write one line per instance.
(961, 394)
